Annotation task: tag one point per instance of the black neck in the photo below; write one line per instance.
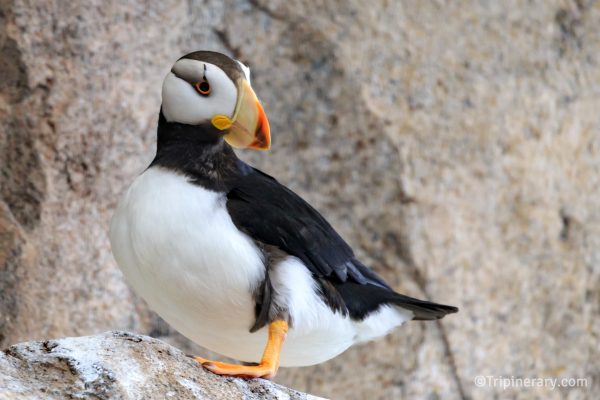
(197, 151)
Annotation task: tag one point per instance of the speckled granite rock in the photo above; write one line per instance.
(454, 144)
(120, 365)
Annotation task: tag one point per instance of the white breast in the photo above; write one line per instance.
(179, 249)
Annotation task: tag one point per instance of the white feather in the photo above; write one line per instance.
(381, 322)
(318, 334)
(246, 70)
(182, 103)
(179, 249)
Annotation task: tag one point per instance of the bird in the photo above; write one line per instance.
(233, 259)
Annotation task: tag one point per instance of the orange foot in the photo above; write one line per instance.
(243, 371)
(269, 364)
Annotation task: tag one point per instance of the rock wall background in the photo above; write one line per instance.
(455, 145)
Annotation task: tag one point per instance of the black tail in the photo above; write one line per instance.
(423, 310)
(361, 300)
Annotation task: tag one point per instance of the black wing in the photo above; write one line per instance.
(273, 214)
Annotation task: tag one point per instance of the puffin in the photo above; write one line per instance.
(230, 257)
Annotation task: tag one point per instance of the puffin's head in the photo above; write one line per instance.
(205, 87)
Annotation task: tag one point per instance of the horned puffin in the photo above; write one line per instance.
(230, 257)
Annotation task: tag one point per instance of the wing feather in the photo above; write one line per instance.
(273, 214)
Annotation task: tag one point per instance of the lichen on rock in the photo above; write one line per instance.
(120, 365)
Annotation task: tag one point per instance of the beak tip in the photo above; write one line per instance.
(263, 130)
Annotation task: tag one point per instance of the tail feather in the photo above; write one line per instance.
(423, 310)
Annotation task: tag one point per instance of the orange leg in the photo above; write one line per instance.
(269, 364)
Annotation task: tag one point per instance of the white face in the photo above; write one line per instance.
(183, 103)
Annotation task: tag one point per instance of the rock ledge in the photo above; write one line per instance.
(120, 365)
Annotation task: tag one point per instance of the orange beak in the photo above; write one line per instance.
(249, 126)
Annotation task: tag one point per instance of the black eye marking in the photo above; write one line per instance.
(203, 87)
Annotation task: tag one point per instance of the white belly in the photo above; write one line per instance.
(179, 249)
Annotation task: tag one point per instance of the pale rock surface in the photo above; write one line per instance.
(455, 145)
(121, 365)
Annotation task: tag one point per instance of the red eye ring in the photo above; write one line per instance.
(203, 87)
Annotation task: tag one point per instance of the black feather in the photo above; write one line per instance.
(331, 296)
(273, 214)
(263, 297)
(362, 300)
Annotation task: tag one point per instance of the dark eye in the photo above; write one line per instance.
(203, 87)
